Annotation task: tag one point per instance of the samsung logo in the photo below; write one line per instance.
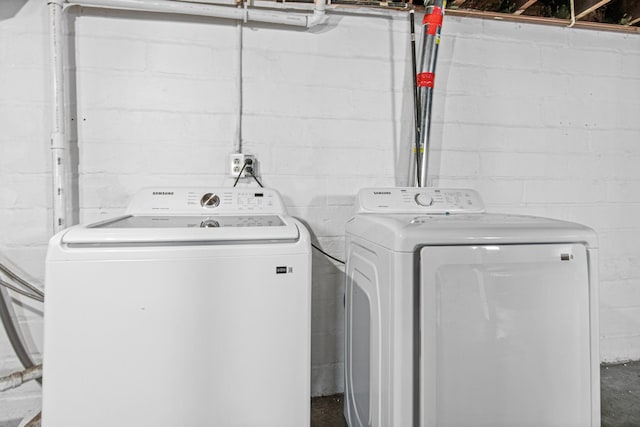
(283, 269)
(162, 193)
(382, 192)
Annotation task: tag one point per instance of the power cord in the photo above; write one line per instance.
(240, 173)
(256, 178)
(253, 175)
(326, 254)
(247, 166)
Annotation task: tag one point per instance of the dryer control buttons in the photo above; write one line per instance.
(424, 199)
(209, 200)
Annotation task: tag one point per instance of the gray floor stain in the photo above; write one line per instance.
(620, 390)
(620, 399)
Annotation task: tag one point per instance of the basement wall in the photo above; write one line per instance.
(541, 120)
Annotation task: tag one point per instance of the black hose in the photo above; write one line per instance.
(12, 333)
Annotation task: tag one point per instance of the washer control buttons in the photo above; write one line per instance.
(209, 200)
(424, 199)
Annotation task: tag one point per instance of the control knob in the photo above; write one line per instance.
(209, 200)
(424, 199)
(209, 223)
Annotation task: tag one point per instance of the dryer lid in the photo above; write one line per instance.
(406, 218)
(408, 232)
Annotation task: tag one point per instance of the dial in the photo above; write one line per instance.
(424, 199)
(209, 200)
(209, 223)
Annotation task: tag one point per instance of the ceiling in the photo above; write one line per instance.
(613, 15)
(620, 15)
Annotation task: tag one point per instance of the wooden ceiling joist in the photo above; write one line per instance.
(542, 20)
(585, 7)
(522, 5)
(615, 15)
(632, 9)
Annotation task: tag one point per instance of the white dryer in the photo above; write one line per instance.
(460, 318)
(193, 309)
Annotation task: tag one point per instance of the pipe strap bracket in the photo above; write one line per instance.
(57, 141)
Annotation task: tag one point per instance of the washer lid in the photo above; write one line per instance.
(174, 229)
(407, 232)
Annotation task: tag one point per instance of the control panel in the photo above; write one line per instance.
(419, 200)
(207, 201)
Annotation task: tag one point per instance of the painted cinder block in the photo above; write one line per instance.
(523, 113)
(117, 126)
(111, 54)
(579, 60)
(192, 61)
(159, 93)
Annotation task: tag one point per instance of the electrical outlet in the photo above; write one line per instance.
(237, 160)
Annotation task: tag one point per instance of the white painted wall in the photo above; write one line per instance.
(540, 120)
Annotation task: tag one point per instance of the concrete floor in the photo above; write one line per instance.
(620, 396)
(620, 391)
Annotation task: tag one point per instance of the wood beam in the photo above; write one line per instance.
(585, 7)
(632, 9)
(542, 20)
(522, 5)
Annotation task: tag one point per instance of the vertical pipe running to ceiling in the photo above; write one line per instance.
(432, 23)
(58, 144)
(238, 140)
(217, 9)
(415, 175)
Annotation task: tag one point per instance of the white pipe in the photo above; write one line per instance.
(237, 146)
(573, 14)
(318, 16)
(228, 2)
(32, 420)
(58, 146)
(213, 10)
(390, 13)
(18, 378)
(221, 9)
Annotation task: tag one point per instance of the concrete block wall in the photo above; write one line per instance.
(540, 120)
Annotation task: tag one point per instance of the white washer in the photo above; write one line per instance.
(460, 318)
(191, 310)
